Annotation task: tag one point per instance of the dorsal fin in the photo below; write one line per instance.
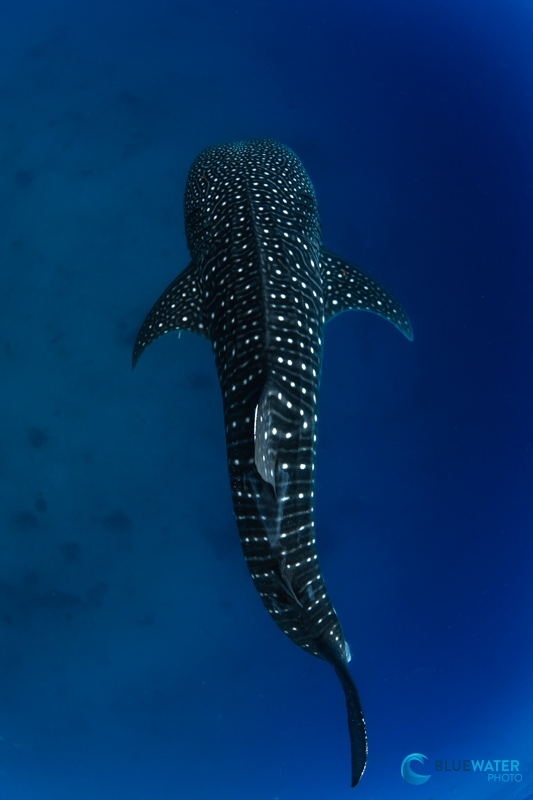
(349, 287)
(180, 308)
(265, 440)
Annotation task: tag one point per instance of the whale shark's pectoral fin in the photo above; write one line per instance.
(180, 308)
(349, 287)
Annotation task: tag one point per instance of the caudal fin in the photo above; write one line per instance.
(356, 721)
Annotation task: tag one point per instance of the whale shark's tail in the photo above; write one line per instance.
(356, 721)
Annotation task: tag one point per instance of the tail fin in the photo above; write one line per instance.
(356, 721)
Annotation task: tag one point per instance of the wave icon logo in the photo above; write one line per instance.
(407, 773)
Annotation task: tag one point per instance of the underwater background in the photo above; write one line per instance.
(136, 658)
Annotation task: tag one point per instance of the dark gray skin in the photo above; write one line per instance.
(261, 287)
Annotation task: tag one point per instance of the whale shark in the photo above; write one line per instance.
(260, 287)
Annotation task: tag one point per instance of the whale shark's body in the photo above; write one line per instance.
(260, 287)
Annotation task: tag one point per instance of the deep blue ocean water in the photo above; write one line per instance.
(136, 659)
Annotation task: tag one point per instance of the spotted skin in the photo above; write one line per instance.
(260, 287)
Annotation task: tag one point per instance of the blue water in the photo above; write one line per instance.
(136, 659)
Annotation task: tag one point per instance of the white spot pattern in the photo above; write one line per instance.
(260, 287)
(274, 384)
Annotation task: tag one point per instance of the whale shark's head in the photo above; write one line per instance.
(224, 178)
